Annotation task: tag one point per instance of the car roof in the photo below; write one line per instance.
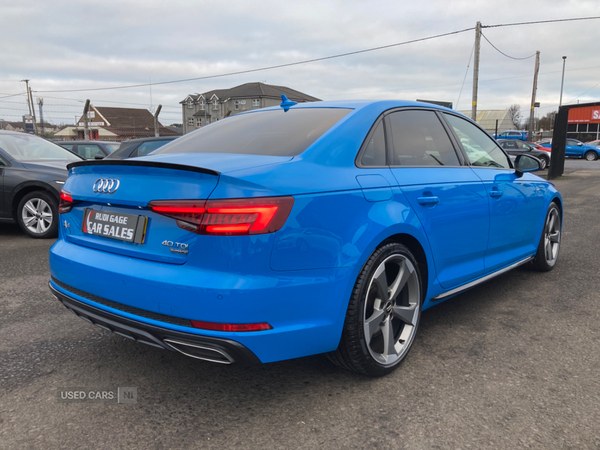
(19, 133)
(86, 142)
(149, 139)
(359, 104)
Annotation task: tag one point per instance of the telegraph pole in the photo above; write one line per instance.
(531, 112)
(40, 105)
(27, 89)
(30, 105)
(86, 108)
(35, 130)
(476, 70)
(156, 133)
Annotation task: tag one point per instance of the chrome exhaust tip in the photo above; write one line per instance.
(200, 351)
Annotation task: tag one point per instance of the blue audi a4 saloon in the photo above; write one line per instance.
(296, 230)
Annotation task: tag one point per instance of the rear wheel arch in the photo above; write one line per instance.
(418, 252)
(22, 191)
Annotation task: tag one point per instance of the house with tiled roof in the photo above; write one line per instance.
(116, 124)
(201, 109)
(18, 126)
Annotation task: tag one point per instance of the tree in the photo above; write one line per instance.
(547, 121)
(515, 115)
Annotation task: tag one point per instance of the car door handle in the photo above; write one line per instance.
(431, 200)
(495, 192)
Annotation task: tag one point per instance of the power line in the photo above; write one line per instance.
(340, 55)
(278, 66)
(580, 95)
(500, 51)
(104, 101)
(13, 95)
(539, 21)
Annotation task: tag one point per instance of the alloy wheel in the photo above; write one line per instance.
(552, 236)
(37, 216)
(391, 309)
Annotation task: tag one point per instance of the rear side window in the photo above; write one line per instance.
(419, 139)
(89, 151)
(111, 147)
(274, 132)
(374, 154)
(148, 147)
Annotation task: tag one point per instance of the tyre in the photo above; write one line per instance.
(37, 215)
(547, 252)
(591, 155)
(383, 313)
(543, 162)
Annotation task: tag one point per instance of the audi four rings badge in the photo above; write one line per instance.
(106, 185)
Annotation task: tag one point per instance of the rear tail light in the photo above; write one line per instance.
(231, 326)
(231, 217)
(66, 202)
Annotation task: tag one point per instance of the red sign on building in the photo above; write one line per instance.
(586, 114)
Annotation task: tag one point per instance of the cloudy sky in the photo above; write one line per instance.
(81, 45)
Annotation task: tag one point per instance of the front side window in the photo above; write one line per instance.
(419, 139)
(481, 149)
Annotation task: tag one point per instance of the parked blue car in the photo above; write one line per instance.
(577, 149)
(296, 230)
(512, 134)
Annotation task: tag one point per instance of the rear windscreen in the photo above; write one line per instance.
(273, 132)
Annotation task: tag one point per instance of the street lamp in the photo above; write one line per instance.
(562, 81)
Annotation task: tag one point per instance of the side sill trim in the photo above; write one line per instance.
(464, 287)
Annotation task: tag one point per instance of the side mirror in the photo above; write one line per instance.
(580, 144)
(526, 163)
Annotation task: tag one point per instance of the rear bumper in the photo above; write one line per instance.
(305, 308)
(206, 348)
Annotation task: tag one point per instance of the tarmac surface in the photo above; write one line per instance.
(513, 363)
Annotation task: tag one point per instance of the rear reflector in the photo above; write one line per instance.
(66, 202)
(231, 326)
(230, 217)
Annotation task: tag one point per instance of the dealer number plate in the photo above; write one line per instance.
(125, 227)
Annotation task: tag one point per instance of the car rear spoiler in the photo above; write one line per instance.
(128, 162)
